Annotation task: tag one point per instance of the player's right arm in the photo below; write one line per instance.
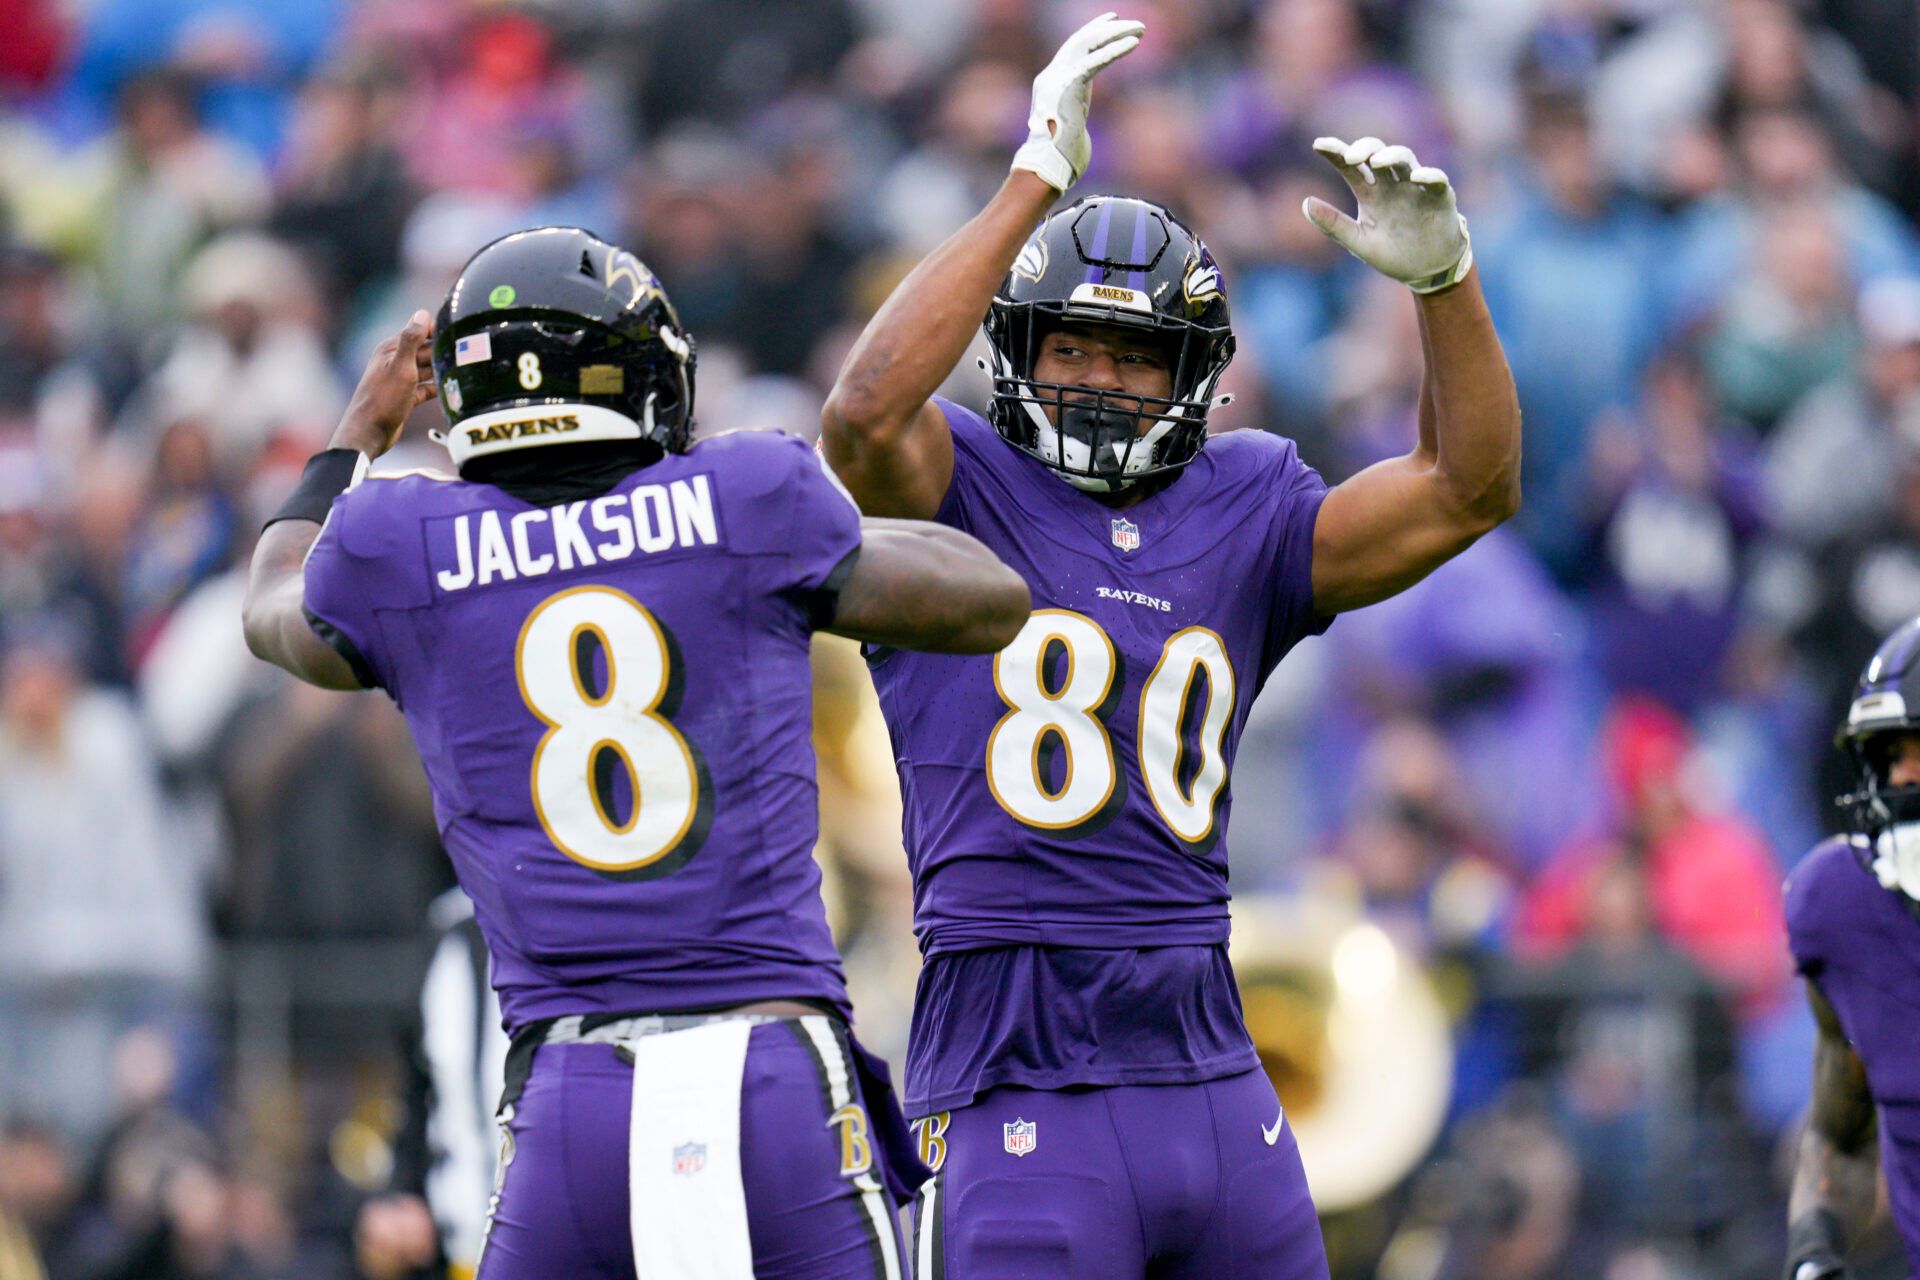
(880, 429)
(1836, 1176)
(919, 585)
(398, 377)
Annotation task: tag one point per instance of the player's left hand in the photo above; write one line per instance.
(1408, 226)
(398, 379)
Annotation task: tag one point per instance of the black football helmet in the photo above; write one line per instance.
(1117, 261)
(1886, 702)
(557, 316)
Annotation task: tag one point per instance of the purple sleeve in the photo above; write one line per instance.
(1804, 895)
(342, 581)
(1297, 492)
(823, 535)
(970, 432)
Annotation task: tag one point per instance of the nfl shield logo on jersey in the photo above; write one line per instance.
(1022, 1135)
(1126, 534)
(689, 1158)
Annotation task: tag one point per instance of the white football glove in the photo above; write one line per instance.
(1408, 228)
(1057, 147)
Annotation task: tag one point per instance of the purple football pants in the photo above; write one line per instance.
(563, 1207)
(1138, 1182)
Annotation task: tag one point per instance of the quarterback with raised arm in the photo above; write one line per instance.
(598, 633)
(1079, 1067)
(1853, 923)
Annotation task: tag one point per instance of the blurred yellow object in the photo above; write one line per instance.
(18, 1258)
(1353, 1036)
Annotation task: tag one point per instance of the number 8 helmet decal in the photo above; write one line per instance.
(1114, 261)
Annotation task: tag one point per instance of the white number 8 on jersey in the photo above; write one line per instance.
(591, 736)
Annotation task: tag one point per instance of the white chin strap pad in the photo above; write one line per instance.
(1074, 458)
(1896, 858)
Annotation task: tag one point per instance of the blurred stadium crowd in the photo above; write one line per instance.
(1566, 774)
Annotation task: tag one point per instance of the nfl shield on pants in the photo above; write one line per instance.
(1195, 1181)
(732, 1151)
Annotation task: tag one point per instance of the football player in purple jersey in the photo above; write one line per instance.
(598, 633)
(1078, 1062)
(1853, 923)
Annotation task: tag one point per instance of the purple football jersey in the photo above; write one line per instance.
(1862, 946)
(612, 699)
(1071, 790)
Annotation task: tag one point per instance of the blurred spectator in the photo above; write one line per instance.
(1314, 72)
(507, 92)
(798, 265)
(1428, 871)
(163, 1207)
(1779, 159)
(102, 917)
(149, 193)
(681, 199)
(1777, 60)
(1857, 589)
(184, 536)
(726, 60)
(1672, 511)
(1501, 1204)
(1711, 887)
(441, 233)
(78, 550)
(1788, 325)
(328, 798)
(344, 192)
(240, 57)
(1288, 293)
(1832, 462)
(37, 1194)
(960, 162)
(61, 374)
(1572, 273)
(251, 366)
(1488, 651)
(1692, 60)
(1635, 1040)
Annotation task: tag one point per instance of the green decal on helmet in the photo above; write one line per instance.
(502, 295)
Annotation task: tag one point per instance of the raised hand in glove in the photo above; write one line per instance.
(1057, 147)
(1408, 226)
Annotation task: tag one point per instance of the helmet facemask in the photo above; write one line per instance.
(1102, 440)
(1888, 816)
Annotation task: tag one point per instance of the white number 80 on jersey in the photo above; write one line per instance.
(1072, 718)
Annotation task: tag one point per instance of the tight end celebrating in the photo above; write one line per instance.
(1085, 1085)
